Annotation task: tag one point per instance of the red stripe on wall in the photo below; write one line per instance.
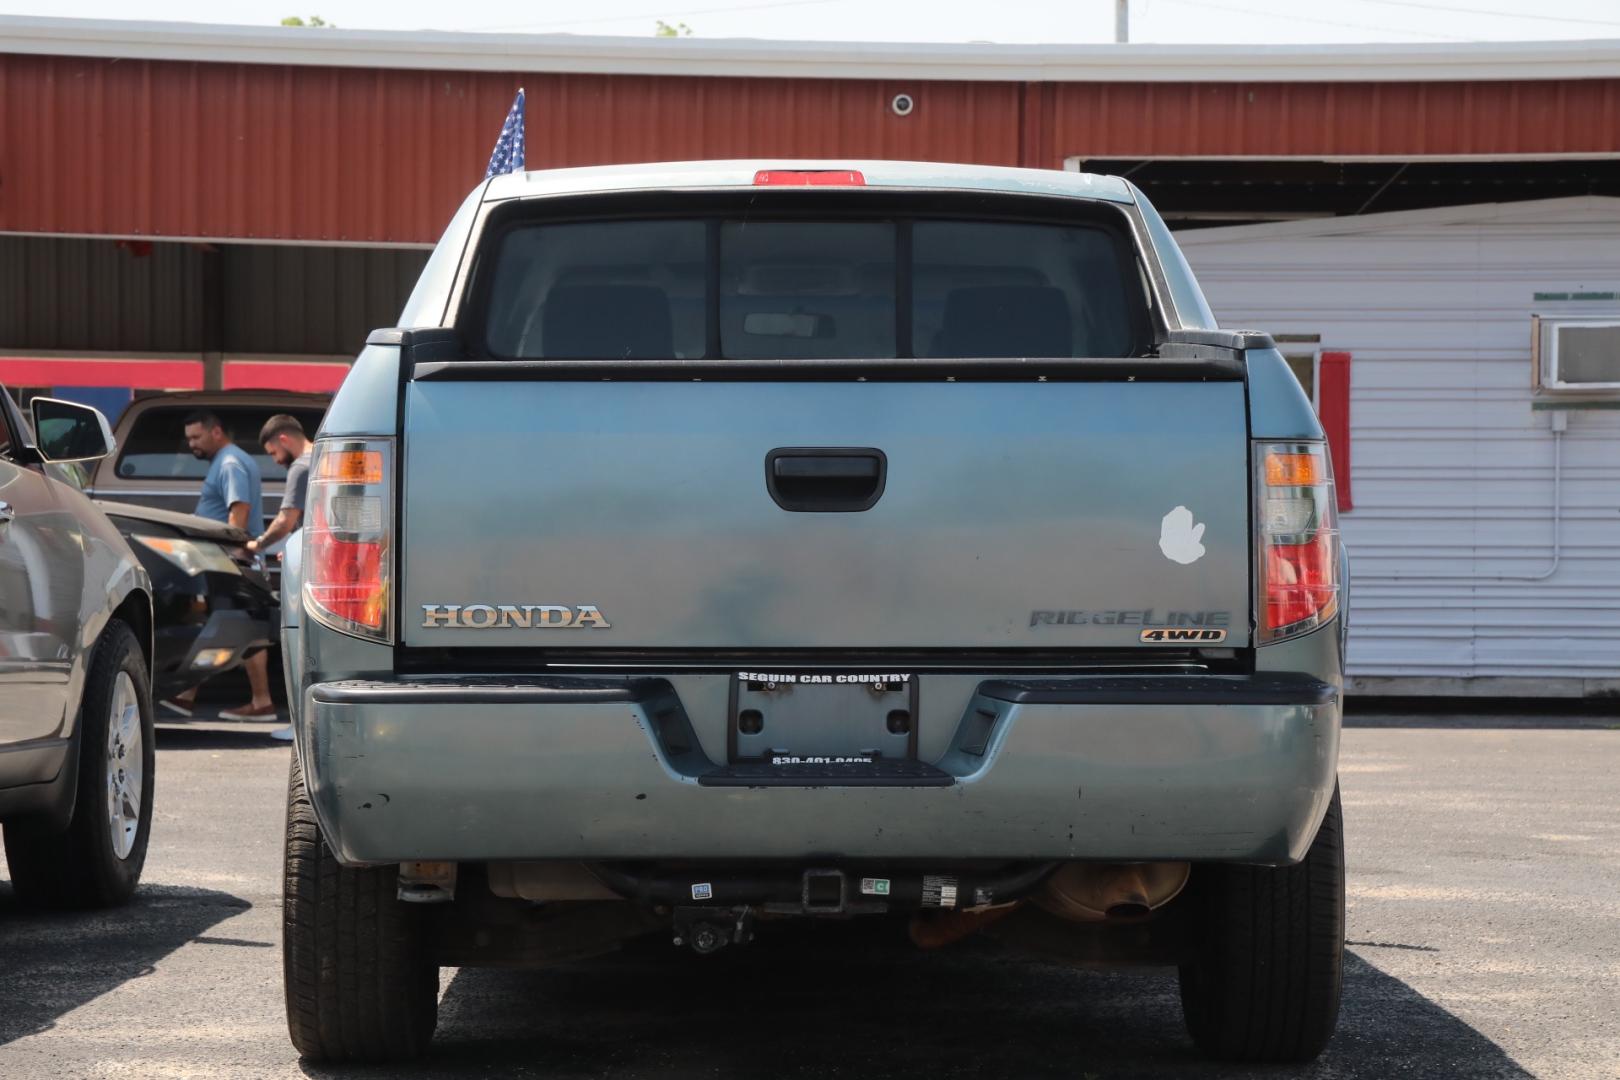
(68, 371)
(279, 375)
(1333, 405)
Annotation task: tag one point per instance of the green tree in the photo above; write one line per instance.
(313, 20)
(664, 29)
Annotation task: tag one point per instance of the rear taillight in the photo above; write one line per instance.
(1297, 544)
(348, 543)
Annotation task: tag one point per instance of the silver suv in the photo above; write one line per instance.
(76, 755)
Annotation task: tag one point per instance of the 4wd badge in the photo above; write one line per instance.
(1181, 635)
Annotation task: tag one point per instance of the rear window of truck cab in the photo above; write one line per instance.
(758, 288)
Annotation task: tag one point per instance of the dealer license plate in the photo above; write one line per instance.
(822, 717)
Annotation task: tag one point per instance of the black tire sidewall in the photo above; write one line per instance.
(359, 978)
(1235, 964)
(109, 878)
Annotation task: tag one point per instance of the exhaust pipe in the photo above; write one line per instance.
(1104, 892)
(1076, 891)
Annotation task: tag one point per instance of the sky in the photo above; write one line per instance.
(1038, 21)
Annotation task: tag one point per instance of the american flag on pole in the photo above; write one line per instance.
(508, 154)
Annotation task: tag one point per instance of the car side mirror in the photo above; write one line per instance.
(67, 431)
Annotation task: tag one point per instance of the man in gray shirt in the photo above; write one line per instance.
(284, 440)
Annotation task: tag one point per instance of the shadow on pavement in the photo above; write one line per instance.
(1482, 713)
(826, 1004)
(53, 963)
(218, 735)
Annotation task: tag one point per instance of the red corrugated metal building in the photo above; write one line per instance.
(214, 194)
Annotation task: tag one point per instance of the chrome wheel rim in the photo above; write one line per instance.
(124, 766)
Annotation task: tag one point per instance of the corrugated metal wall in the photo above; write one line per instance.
(96, 295)
(312, 300)
(261, 151)
(1231, 120)
(91, 295)
(1453, 468)
(376, 156)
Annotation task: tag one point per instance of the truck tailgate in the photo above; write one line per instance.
(1048, 515)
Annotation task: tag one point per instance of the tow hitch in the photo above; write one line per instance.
(708, 930)
(824, 891)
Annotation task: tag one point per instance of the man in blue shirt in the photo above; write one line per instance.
(231, 490)
(230, 493)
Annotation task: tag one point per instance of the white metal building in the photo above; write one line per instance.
(1484, 529)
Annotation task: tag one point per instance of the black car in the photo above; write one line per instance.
(212, 603)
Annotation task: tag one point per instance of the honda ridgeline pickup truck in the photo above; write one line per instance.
(726, 542)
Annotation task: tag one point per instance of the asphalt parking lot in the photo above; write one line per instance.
(1484, 920)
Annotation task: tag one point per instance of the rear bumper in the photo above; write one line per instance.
(1121, 768)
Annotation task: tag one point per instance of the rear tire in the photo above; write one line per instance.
(97, 860)
(1264, 984)
(360, 982)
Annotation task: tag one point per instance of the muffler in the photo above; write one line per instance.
(1099, 892)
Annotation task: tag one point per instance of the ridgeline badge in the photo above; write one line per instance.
(1156, 628)
(524, 616)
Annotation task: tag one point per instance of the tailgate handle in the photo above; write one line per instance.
(818, 479)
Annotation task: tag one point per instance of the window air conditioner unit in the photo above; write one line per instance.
(1579, 354)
